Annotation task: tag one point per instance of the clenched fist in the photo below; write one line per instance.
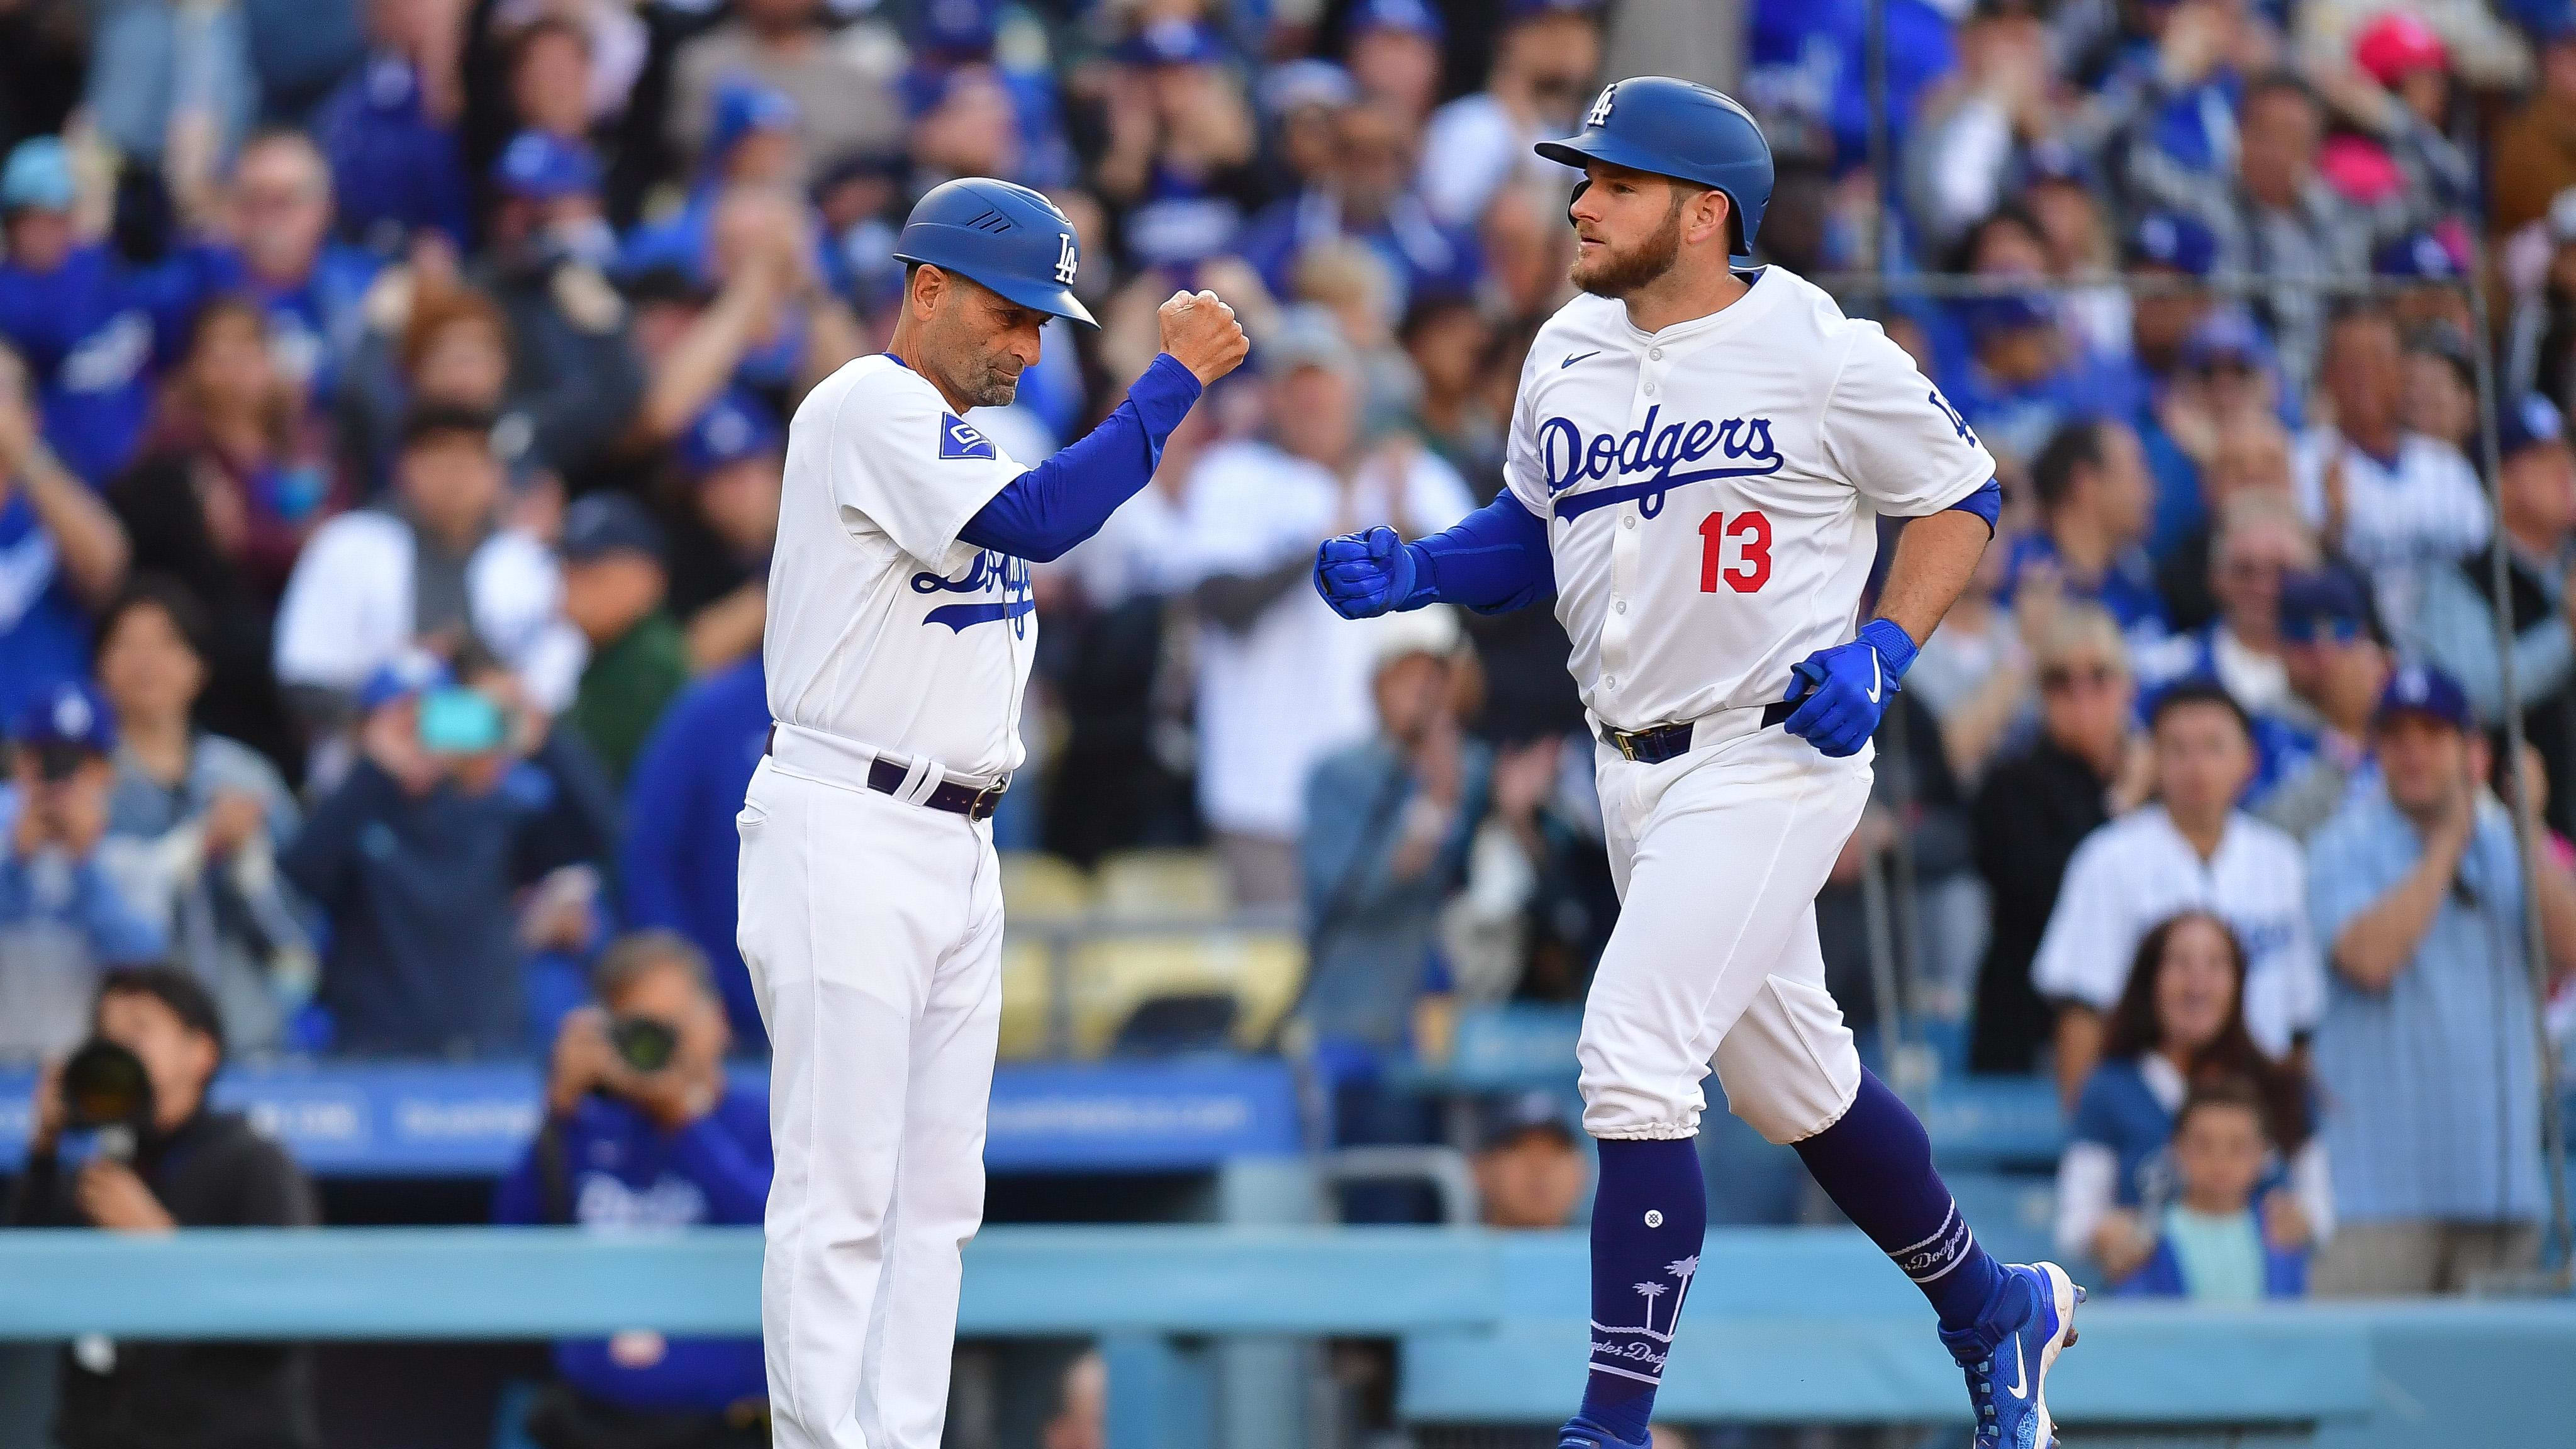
(1201, 331)
(1363, 575)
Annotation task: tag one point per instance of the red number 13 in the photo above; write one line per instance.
(1751, 532)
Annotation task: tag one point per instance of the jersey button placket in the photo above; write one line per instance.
(1623, 575)
(1624, 546)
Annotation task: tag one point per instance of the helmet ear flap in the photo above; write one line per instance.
(1736, 245)
(1580, 187)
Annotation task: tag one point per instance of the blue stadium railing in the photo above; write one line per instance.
(1786, 1325)
(414, 1119)
(409, 1119)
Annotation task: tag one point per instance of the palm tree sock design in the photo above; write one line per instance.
(1876, 1164)
(1649, 1217)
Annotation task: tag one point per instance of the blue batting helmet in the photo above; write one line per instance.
(1680, 129)
(1006, 237)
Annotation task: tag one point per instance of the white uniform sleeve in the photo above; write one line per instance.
(1434, 496)
(1891, 434)
(2086, 1176)
(2452, 517)
(326, 634)
(2303, 964)
(1522, 472)
(1468, 151)
(514, 591)
(904, 465)
(550, 665)
(2084, 953)
(2308, 457)
(2312, 1178)
(1225, 527)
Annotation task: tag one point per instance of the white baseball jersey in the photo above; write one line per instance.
(883, 627)
(1277, 695)
(2426, 503)
(1712, 489)
(2138, 870)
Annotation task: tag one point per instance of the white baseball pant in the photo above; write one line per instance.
(1717, 856)
(873, 929)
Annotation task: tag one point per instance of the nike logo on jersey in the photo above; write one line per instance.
(1568, 456)
(1572, 358)
(959, 438)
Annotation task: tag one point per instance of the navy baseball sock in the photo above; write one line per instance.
(1649, 1217)
(1876, 1164)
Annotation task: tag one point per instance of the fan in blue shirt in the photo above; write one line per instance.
(88, 325)
(1816, 51)
(643, 1130)
(60, 548)
(2024, 380)
(1367, 200)
(44, 636)
(676, 867)
(2094, 503)
(2211, 1245)
(311, 287)
(2179, 1030)
(751, 143)
(396, 164)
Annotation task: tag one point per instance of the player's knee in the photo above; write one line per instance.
(1634, 1084)
(1631, 1109)
(1793, 1111)
(946, 1202)
(1790, 1067)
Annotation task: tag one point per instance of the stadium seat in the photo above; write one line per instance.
(1037, 887)
(1177, 1025)
(1163, 885)
(1026, 995)
(1117, 976)
(2013, 1213)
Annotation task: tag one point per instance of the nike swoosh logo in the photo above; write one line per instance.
(1875, 679)
(1574, 358)
(2021, 1371)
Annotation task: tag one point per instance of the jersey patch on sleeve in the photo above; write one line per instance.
(959, 438)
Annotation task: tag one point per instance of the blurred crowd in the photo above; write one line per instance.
(392, 407)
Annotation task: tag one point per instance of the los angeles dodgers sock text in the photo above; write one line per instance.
(1876, 1164)
(1649, 1217)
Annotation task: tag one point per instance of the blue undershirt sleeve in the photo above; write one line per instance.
(1064, 500)
(1492, 561)
(1987, 503)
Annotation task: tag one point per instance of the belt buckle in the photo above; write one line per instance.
(981, 807)
(1626, 742)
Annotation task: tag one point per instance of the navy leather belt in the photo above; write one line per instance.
(1667, 742)
(886, 778)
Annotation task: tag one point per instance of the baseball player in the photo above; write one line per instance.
(899, 636)
(1697, 461)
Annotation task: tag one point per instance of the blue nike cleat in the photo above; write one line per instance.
(1582, 1433)
(2007, 1352)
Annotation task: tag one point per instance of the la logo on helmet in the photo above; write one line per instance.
(1601, 107)
(1065, 259)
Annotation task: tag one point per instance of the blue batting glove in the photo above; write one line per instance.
(1363, 575)
(1842, 692)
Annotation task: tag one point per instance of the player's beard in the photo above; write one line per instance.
(1614, 273)
(994, 388)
